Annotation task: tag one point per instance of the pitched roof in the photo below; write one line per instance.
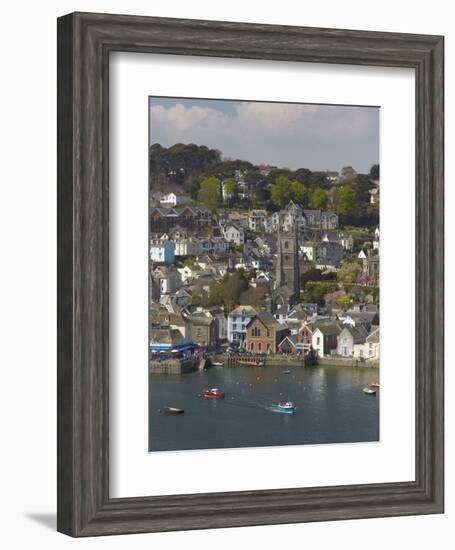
(358, 333)
(373, 337)
(249, 310)
(328, 328)
(268, 320)
(292, 338)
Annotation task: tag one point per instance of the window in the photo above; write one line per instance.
(252, 346)
(268, 333)
(256, 332)
(259, 346)
(286, 244)
(361, 353)
(318, 341)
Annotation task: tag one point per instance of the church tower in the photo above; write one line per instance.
(287, 266)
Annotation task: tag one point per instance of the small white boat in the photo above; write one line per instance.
(217, 364)
(369, 391)
(286, 372)
(288, 407)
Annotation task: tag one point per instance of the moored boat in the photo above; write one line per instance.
(287, 407)
(369, 391)
(217, 364)
(286, 372)
(251, 362)
(213, 393)
(173, 410)
(374, 385)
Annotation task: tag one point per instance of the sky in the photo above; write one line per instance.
(291, 135)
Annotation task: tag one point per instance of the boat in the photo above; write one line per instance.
(374, 385)
(213, 393)
(287, 407)
(217, 364)
(251, 362)
(173, 410)
(286, 372)
(369, 391)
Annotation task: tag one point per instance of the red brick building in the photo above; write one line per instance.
(264, 333)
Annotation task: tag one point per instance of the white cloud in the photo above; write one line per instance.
(294, 135)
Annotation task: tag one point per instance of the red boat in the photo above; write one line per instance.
(213, 393)
(251, 363)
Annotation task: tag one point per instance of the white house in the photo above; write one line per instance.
(188, 246)
(368, 350)
(171, 199)
(238, 320)
(324, 338)
(162, 250)
(234, 234)
(348, 338)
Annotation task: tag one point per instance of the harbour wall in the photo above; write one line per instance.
(175, 366)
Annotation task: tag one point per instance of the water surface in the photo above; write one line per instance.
(331, 407)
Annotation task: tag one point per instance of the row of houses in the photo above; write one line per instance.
(167, 216)
(329, 338)
(260, 332)
(290, 217)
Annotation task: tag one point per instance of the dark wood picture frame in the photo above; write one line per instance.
(84, 44)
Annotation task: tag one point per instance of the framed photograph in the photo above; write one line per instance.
(250, 274)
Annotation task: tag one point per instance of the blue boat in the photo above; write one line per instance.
(288, 407)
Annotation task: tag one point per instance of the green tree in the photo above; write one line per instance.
(344, 302)
(349, 271)
(284, 190)
(209, 192)
(281, 191)
(319, 198)
(347, 200)
(298, 192)
(229, 187)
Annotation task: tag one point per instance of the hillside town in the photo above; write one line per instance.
(252, 260)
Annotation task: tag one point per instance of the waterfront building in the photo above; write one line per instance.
(288, 344)
(368, 350)
(305, 337)
(238, 320)
(324, 339)
(348, 337)
(203, 328)
(264, 333)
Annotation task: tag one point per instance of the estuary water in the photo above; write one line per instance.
(331, 407)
